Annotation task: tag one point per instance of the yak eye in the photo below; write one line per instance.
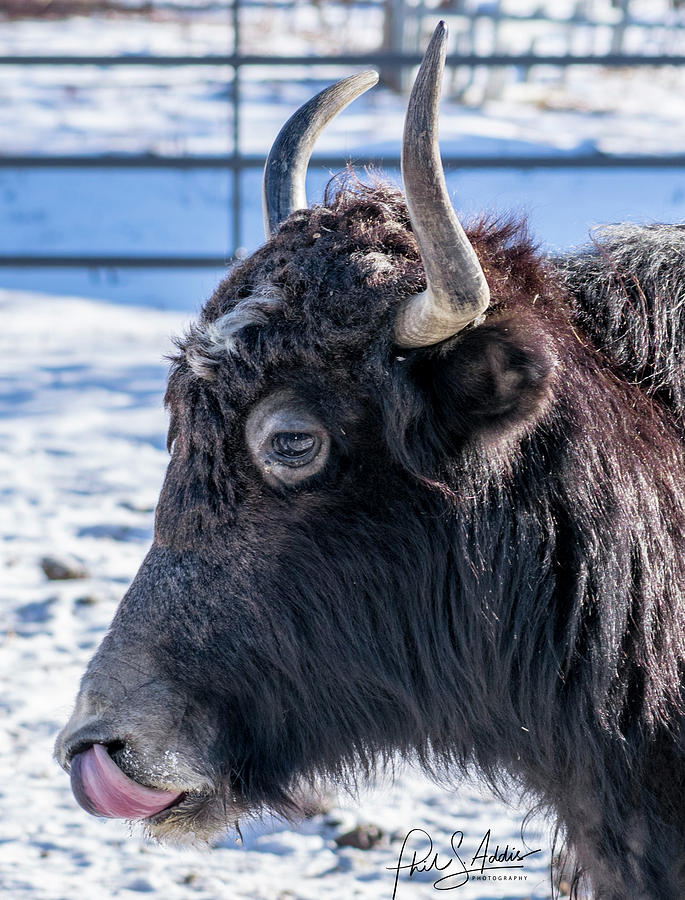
(294, 447)
(286, 440)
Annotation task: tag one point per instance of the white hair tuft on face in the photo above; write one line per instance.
(216, 339)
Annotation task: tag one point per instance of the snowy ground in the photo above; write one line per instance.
(81, 461)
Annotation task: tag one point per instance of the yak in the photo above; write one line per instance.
(425, 500)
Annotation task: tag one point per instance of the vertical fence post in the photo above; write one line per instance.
(394, 22)
(236, 223)
(619, 30)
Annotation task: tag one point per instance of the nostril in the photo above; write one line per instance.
(115, 747)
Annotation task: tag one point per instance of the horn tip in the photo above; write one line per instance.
(438, 42)
(368, 78)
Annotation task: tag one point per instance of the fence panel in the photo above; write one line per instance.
(388, 59)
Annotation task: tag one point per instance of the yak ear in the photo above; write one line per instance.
(492, 382)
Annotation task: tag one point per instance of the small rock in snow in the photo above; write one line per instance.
(62, 569)
(363, 837)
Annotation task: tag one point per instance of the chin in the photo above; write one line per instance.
(195, 821)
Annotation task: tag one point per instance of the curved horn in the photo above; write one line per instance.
(285, 171)
(457, 291)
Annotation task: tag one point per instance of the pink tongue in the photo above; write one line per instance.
(102, 789)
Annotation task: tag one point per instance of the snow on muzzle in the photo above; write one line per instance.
(102, 789)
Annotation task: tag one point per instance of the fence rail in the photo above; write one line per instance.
(64, 261)
(236, 162)
(383, 60)
(543, 161)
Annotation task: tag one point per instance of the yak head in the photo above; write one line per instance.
(338, 415)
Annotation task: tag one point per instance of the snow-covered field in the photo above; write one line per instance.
(82, 427)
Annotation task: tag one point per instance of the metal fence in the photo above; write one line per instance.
(236, 162)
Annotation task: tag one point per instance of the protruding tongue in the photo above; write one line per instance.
(102, 789)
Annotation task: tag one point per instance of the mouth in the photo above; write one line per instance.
(192, 816)
(102, 789)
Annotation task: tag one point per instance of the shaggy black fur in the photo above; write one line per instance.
(489, 571)
(631, 299)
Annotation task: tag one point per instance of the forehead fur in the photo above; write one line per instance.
(323, 292)
(214, 340)
(330, 278)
